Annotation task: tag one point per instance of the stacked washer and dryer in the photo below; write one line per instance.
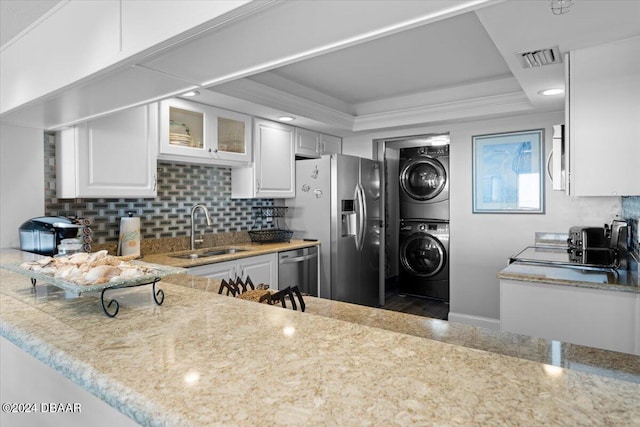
(424, 223)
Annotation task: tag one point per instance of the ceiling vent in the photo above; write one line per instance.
(540, 57)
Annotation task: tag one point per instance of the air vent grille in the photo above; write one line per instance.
(540, 57)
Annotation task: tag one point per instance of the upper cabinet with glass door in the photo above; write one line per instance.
(197, 133)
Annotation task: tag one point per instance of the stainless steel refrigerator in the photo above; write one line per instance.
(338, 203)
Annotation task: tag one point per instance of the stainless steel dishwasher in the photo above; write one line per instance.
(299, 267)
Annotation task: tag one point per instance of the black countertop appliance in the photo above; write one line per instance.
(587, 247)
(42, 235)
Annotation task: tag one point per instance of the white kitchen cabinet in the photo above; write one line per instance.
(220, 270)
(598, 318)
(113, 156)
(307, 143)
(314, 144)
(272, 174)
(603, 111)
(330, 144)
(196, 133)
(261, 269)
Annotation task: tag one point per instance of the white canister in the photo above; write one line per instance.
(129, 239)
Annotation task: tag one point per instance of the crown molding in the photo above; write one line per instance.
(449, 111)
(481, 106)
(440, 95)
(274, 98)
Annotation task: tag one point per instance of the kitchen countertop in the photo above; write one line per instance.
(250, 249)
(289, 367)
(551, 352)
(624, 281)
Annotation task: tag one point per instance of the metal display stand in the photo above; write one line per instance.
(159, 293)
(158, 296)
(110, 306)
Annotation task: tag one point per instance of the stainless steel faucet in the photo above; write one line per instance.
(193, 225)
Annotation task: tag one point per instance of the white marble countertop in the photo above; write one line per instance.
(177, 364)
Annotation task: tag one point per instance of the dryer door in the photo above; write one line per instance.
(422, 254)
(423, 178)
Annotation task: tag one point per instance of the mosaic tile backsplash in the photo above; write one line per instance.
(631, 212)
(180, 186)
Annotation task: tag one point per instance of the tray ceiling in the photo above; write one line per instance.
(461, 67)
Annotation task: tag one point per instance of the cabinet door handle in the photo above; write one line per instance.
(257, 185)
(155, 182)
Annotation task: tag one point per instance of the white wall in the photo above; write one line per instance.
(482, 243)
(21, 180)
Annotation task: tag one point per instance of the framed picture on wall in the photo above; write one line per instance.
(508, 172)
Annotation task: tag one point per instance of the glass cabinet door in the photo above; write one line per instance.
(186, 128)
(233, 136)
(199, 133)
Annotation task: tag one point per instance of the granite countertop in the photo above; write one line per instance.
(623, 281)
(291, 368)
(551, 352)
(249, 249)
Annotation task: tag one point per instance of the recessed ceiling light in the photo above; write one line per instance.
(551, 92)
(191, 93)
(286, 118)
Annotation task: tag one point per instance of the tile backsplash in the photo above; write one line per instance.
(180, 186)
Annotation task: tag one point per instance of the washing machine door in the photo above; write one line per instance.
(423, 178)
(422, 255)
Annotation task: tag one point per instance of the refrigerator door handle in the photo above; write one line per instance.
(356, 223)
(362, 217)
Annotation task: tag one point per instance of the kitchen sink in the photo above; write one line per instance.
(209, 253)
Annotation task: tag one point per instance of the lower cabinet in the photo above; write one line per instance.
(261, 269)
(605, 319)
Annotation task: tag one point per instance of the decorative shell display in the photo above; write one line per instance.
(88, 268)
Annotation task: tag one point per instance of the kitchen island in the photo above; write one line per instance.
(207, 359)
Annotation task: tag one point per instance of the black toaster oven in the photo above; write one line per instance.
(42, 235)
(581, 238)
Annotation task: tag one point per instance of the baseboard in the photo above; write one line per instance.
(483, 322)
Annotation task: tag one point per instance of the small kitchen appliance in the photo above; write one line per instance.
(587, 247)
(581, 237)
(42, 235)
